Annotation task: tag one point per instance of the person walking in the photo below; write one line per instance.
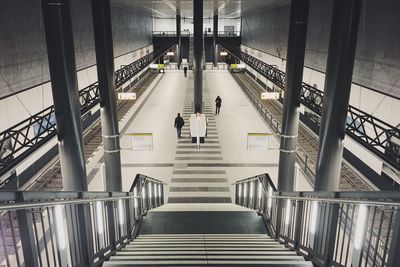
(218, 102)
(179, 122)
(185, 71)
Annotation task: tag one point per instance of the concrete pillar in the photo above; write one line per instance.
(198, 54)
(61, 56)
(339, 71)
(215, 38)
(179, 40)
(103, 41)
(291, 103)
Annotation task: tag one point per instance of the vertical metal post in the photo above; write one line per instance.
(101, 13)
(25, 224)
(215, 38)
(198, 54)
(179, 40)
(61, 56)
(291, 103)
(299, 217)
(339, 70)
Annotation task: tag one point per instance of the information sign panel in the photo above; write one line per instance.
(142, 141)
(126, 96)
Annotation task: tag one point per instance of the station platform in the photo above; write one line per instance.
(193, 175)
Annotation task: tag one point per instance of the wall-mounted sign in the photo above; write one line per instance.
(157, 66)
(142, 141)
(126, 96)
(238, 66)
(258, 141)
(270, 95)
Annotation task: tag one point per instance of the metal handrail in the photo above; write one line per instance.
(48, 228)
(369, 219)
(18, 206)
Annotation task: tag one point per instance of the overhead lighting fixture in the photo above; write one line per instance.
(314, 217)
(362, 219)
(170, 53)
(269, 201)
(223, 53)
(121, 212)
(59, 223)
(287, 215)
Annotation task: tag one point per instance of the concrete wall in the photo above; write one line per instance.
(377, 64)
(23, 55)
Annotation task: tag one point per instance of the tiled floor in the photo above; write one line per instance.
(222, 160)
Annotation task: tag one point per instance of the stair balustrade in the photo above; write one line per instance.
(329, 228)
(72, 228)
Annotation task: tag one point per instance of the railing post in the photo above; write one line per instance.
(280, 204)
(394, 255)
(299, 217)
(84, 231)
(326, 234)
(128, 215)
(25, 223)
(111, 223)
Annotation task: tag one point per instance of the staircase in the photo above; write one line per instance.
(206, 249)
(212, 234)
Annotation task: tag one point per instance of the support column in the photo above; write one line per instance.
(198, 54)
(179, 40)
(101, 14)
(215, 37)
(61, 56)
(291, 103)
(339, 71)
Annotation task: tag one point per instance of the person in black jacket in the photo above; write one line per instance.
(179, 122)
(185, 71)
(218, 102)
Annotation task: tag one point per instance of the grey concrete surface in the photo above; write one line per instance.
(377, 63)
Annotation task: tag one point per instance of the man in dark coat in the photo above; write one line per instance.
(185, 71)
(179, 122)
(218, 102)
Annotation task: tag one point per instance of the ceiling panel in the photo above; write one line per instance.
(224, 8)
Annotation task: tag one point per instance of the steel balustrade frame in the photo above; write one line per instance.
(20, 141)
(28, 207)
(334, 223)
(367, 130)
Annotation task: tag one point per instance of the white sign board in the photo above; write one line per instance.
(154, 66)
(126, 96)
(258, 141)
(198, 125)
(270, 95)
(142, 141)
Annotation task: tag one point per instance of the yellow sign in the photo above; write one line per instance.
(139, 134)
(260, 134)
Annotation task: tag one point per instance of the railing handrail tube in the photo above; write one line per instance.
(23, 205)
